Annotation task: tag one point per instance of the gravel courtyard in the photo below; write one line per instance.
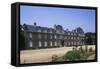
(43, 55)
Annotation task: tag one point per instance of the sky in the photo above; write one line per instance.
(69, 18)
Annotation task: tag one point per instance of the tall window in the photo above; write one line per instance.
(40, 44)
(45, 36)
(72, 43)
(30, 35)
(68, 43)
(30, 43)
(71, 33)
(39, 36)
(55, 36)
(61, 36)
(51, 43)
(68, 33)
(55, 43)
(68, 37)
(51, 36)
(71, 37)
(50, 31)
(45, 43)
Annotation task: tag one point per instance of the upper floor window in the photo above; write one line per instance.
(74, 33)
(50, 31)
(68, 33)
(45, 31)
(71, 33)
(55, 36)
(39, 30)
(45, 36)
(30, 35)
(61, 36)
(39, 36)
(51, 36)
(71, 37)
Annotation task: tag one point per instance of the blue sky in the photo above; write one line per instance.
(67, 17)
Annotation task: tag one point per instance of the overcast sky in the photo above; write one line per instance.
(67, 17)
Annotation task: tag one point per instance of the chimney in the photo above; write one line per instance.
(55, 26)
(34, 24)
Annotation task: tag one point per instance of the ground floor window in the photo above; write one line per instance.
(45, 43)
(55, 43)
(30, 43)
(40, 44)
(51, 43)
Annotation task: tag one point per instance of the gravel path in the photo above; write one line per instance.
(43, 55)
(91, 57)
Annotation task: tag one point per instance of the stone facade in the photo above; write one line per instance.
(44, 37)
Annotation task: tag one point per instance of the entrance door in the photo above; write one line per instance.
(62, 43)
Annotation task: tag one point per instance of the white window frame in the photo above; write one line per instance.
(55, 36)
(39, 30)
(55, 43)
(30, 35)
(51, 43)
(40, 44)
(30, 44)
(39, 36)
(45, 43)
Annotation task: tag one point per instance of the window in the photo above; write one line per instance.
(71, 37)
(45, 36)
(68, 37)
(61, 36)
(50, 31)
(50, 36)
(30, 44)
(55, 43)
(68, 33)
(30, 35)
(39, 36)
(68, 43)
(51, 43)
(71, 33)
(39, 30)
(74, 37)
(74, 33)
(74, 43)
(45, 31)
(40, 44)
(45, 43)
(55, 36)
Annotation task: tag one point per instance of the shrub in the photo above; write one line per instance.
(90, 49)
(72, 55)
(54, 57)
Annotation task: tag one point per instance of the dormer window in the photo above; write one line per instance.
(68, 33)
(50, 31)
(39, 30)
(45, 31)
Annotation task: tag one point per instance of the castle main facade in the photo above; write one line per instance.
(44, 37)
